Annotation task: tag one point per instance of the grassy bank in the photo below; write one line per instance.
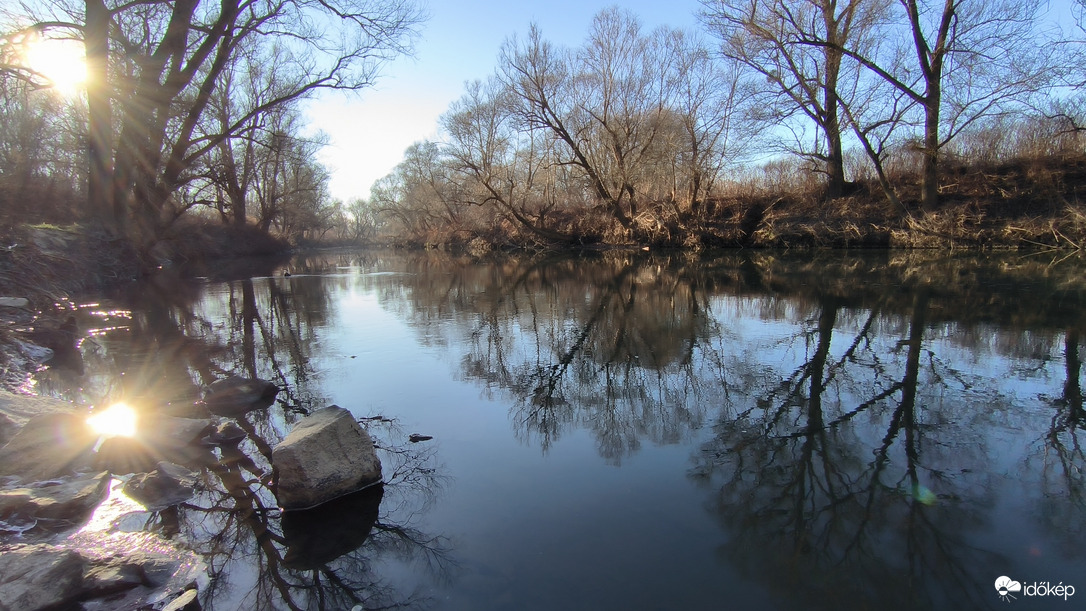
(1030, 203)
(1019, 204)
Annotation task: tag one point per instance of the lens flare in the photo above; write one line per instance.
(117, 420)
(62, 62)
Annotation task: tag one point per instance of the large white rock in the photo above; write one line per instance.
(327, 455)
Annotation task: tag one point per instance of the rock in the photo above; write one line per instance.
(169, 484)
(158, 569)
(157, 438)
(39, 577)
(187, 601)
(49, 446)
(184, 408)
(234, 395)
(169, 432)
(34, 352)
(69, 502)
(21, 408)
(327, 455)
(227, 433)
(134, 570)
(124, 455)
(109, 579)
(8, 429)
(315, 537)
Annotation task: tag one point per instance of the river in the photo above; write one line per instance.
(755, 430)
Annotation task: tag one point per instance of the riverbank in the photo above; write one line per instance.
(42, 267)
(1025, 204)
(1032, 203)
(1029, 204)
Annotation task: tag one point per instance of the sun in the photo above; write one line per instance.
(63, 62)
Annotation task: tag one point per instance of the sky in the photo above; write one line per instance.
(460, 42)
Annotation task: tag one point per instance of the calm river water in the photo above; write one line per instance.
(809, 430)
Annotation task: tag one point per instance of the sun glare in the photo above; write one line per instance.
(117, 420)
(62, 62)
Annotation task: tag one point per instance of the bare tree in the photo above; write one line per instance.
(712, 103)
(419, 196)
(154, 67)
(970, 59)
(233, 162)
(289, 185)
(506, 161)
(605, 104)
(622, 95)
(805, 80)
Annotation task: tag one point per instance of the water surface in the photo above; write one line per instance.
(757, 430)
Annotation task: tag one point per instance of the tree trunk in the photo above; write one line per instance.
(929, 170)
(835, 162)
(99, 114)
(835, 158)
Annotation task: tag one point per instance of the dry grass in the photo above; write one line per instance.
(46, 263)
(1032, 201)
(1025, 203)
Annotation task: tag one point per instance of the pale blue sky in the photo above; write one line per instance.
(459, 43)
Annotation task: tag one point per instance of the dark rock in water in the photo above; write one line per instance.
(227, 433)
(99, 581)
(327, 455)
(317, 536)
(49, 446)
(63, 503)
(234, 395)
(167, 432)
(123, 455)
(157, 438)
(186, 409)
(39, 577)
(169, 484)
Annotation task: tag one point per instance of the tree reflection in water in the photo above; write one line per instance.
(870, 481)
(868, 427)
(322, 558)
(258, 557)
(1062, 456)
(856, 455)
(610, 345)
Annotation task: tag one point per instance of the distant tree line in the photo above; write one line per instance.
(635, 135)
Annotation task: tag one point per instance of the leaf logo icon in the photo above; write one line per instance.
(1005, 586)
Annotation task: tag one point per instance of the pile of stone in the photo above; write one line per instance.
(55, 472)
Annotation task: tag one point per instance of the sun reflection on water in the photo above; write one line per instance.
(117, 420)
(117, 505)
